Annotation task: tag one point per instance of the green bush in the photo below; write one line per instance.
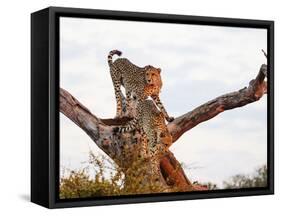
(108, 180)
(79, 184)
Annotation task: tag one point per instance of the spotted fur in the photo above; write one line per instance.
(151, 123)
(142, 81)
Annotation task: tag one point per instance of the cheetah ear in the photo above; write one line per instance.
(159, 70)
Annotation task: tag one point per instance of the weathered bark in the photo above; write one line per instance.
(93, 126)
(174, 174)
(126, 148)
(256, 89)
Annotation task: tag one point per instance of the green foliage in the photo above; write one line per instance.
(108, 180)
(79, 184)
(257, 179)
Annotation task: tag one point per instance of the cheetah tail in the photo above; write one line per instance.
(112, 53)
(126, 128)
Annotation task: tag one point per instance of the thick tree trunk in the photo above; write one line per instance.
(126, 149)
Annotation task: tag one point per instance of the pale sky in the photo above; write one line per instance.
(198, 64)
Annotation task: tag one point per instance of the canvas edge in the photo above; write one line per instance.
(124, 15)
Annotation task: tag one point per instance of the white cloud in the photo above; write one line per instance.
(198, 63)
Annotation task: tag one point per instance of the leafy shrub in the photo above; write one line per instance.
(108, 180)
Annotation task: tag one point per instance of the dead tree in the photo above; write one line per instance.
(100, 130)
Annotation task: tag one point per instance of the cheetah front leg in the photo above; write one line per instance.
(159, 104)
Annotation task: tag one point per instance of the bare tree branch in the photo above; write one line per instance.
(174, 174)
(264, 53)
(256, 89)
(99, 132)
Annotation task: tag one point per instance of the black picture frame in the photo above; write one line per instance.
(45, 105)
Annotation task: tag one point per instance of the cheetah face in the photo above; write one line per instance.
(153, 77)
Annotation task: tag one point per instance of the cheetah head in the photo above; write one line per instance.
(153, 77)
